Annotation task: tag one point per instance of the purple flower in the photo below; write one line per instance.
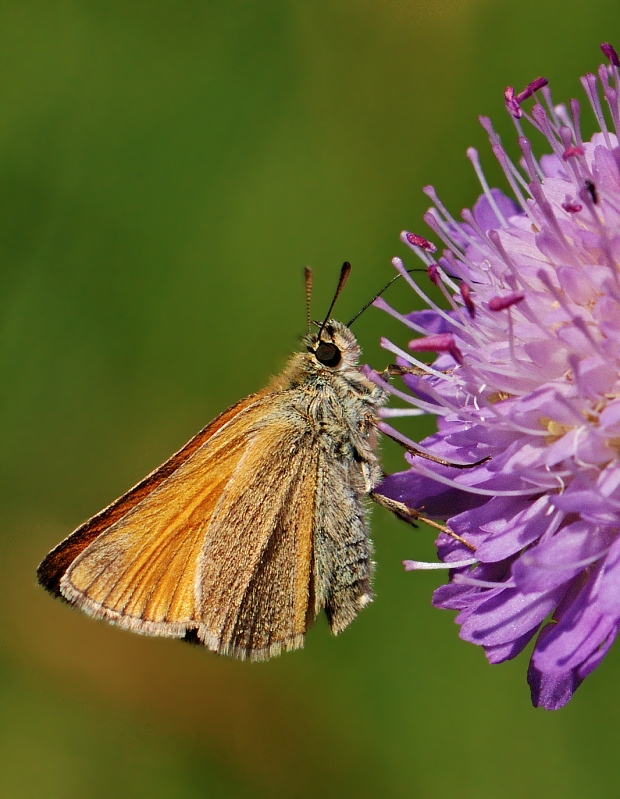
(525, 465)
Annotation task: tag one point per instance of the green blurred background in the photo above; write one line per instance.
(166, 171)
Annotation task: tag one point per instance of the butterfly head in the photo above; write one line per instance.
(334, 347)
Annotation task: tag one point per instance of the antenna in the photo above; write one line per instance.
(344, 274)
(308, 274)
(379, 293)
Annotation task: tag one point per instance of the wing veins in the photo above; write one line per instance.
(156, 555)
(280, 528)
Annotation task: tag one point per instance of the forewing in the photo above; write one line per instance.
(135, 562)
(255, 581)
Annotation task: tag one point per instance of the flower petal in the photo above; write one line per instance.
(580, 631)
(508, 615)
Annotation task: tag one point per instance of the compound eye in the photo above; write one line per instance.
(328, 354)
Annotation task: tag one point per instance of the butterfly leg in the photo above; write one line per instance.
(411, 516)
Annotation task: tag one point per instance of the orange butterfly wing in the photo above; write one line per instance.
(54, 565)
(216, 540)
(256, 596)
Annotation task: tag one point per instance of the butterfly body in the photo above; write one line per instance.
(257, 524)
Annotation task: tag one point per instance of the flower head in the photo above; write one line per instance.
(525, 466)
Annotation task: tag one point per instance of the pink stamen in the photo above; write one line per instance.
(469, 303)
(440, 342)
(532, 87)
(433, 274)
(573, 155)
(501, 303)
(513, 101)
(573, 152)
(610, 53)
(414, 240)
(571, 207)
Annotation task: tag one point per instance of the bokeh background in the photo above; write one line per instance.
(166, 171)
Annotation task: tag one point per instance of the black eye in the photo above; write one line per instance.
(328, 354)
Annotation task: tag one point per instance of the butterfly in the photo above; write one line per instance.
(252, 528)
